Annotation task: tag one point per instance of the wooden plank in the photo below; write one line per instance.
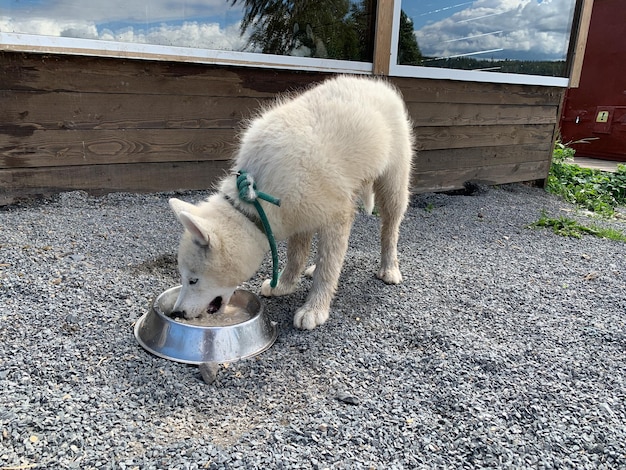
(77, 147)
(454, 137)
(467, 158)
(22, 111)
(450, 91)
(463, 114)
(451, 179)
(382, 40)
(28, 111)
(150, 177)
(37, 72)
(139, 177)
(64, 148)
(33, 72)
(581, 43)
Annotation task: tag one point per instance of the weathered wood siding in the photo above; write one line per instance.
(484, 132)
(120, 125)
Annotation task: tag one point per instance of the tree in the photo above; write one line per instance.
(337, 29)
(408, 50)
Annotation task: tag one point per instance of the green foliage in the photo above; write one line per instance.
(562, 152)
(408, 50)
(533, 67)
(595, 190)
(336, 29)
(570, 228)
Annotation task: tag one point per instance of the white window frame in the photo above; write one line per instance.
(415, 71)
(99, 48)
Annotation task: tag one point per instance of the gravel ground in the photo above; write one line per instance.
(504, 347)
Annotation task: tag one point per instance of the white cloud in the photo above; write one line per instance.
(145, 22)
(536, 29)
(48, 27)
(190, 34)
(140, 11)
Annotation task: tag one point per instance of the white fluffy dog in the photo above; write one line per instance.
(317, 152)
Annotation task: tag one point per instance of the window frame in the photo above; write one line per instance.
(415, 71)
(19, 42)
(115, 49)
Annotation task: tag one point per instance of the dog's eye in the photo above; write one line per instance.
(193, 281)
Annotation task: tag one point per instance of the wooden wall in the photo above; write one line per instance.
(71, 122)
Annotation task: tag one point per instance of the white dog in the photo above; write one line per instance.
(316, 152)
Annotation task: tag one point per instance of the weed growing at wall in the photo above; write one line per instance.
(597, 191)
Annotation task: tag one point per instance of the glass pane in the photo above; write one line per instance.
(335, 29)
(508, 36)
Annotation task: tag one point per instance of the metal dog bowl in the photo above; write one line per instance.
(190, 343)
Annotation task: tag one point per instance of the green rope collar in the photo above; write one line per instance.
(248, 193)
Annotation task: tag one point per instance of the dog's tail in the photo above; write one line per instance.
(367, 198)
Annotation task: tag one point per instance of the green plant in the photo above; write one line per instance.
(594, 190)
(562, 152)
(570, 228)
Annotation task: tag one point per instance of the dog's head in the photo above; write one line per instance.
(204, 263)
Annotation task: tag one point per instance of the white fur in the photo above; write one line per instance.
(344, 139)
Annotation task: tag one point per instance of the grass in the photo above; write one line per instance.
(570, 228)
(594, 190)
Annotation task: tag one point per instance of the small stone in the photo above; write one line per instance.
(208, 371)
(606, 409)
(347, 398)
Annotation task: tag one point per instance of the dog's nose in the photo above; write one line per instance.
(177, 314)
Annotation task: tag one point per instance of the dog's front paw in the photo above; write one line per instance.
(390, 275)
(280, 289)
(266, 289)
(307, 318)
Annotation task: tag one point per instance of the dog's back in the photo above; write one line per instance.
(319, 150)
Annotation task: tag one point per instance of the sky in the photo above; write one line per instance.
(515, 29)
(485, 29)
(210, 24)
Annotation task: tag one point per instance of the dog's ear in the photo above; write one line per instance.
(179, 206)
(197, 227)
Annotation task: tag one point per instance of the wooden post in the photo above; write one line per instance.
(581, 30)
(382, 40)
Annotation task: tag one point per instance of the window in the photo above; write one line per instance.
(213, 30)
(529, 37)
(511, 41)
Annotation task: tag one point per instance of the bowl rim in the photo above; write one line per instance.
(167, 318)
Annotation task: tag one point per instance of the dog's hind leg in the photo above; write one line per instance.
(298, 247)
(392, 197)
(331, 250)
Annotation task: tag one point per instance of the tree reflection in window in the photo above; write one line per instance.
(334, 29)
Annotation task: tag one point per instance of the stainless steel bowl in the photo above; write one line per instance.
(166, 337)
